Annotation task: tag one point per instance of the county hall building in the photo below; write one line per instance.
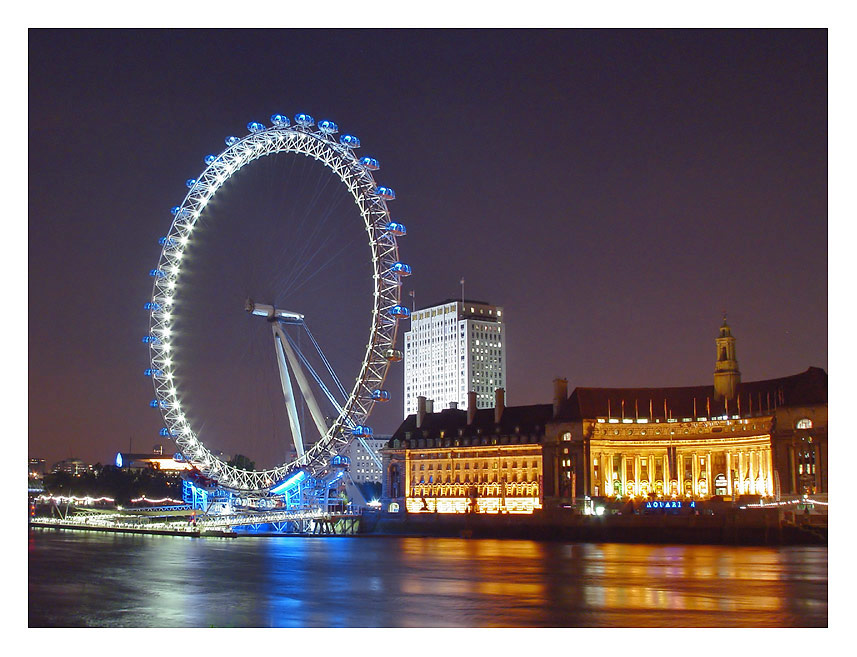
(759, 438)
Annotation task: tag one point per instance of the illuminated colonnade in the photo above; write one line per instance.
(681, 460)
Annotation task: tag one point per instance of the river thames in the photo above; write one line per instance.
(92, 579)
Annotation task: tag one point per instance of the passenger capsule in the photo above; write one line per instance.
(167, 241)
(231, 141)
(401, 269)
(157, 273)
(255, 127)
(190, 182)
(340, 461)
(150, 372)
(151, 305)
(166, 432)
(280, 121)
(385, 193)
(304, 120)
(209, 159)
(370, 163)
(362, 431)
(396, 229)
(399, 312)
(350, 141)
(380, 395)
(328, 127)
(150, 339)
(175, 210)
(393, 355)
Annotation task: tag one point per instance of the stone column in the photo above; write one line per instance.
(729, 473)
(694, 474)
(708, 482)
(637, 474)
(622, 474)
(751, 471)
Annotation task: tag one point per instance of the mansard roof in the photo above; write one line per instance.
(753, 398)
(453, 423)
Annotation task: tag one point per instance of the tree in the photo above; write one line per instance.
(242, 463)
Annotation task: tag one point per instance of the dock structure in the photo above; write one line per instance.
(315, 523)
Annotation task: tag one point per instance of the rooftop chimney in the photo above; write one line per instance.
(560, 394)
(499, 404)
(471, 407)
(421, 410)
(429, 405)
(453, 405)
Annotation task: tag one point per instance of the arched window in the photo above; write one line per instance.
(804, 423)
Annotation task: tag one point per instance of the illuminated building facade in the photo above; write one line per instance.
(478, 460)
(156, 461)
(452, 349)
(760, 438)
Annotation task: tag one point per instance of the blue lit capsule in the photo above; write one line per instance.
(175, 210)
(190, 182)
(399, 312)
(231, 141)
(254, 127)
(328, 127)
(385, 193)
(166, 432)
(362, 431)
(397, 229)
(151, 305)
(151, 372)
(380, 395)
(279, 120)
(304, 120)
(401, 269)
(167, 241)
(350, 141)
(209, 159)
(150, 339)
(157, 273)
(340, 460)
(370, 163)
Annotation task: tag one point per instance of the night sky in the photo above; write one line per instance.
(614, 191)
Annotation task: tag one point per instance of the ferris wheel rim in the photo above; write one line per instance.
(371, 201)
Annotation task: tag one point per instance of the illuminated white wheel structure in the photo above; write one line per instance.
(317, 142)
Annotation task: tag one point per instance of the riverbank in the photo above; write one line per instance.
(747, 527)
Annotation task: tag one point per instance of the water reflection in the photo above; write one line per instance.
(81, 579)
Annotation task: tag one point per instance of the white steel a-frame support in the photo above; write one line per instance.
(288, 395)
(284, 347)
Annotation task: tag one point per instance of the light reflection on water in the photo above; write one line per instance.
(90, 579)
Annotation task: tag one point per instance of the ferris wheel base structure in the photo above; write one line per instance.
(298, 493)
(321, 462)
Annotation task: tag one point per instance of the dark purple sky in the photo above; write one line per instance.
(615, 191)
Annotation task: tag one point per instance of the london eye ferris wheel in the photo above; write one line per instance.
(308, 383)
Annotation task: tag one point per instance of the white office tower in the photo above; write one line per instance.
(366, 464)
(452, 349)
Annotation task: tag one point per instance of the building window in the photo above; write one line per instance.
(804, 423)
